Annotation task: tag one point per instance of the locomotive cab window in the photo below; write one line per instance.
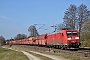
(69, 33)
(72, 33)
(75, 33)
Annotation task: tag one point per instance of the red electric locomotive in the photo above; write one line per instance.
(64, 39)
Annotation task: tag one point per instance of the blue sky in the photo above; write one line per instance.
(17, 15)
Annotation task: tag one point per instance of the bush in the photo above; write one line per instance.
(85, 40)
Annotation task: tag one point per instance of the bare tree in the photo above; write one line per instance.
(60, 27)
(20, 36)
(83, 15)
(86, 27)
(32, 30)
(2, 40)
(75, 17)
(70, 17)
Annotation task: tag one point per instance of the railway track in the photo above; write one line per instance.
(81, 52)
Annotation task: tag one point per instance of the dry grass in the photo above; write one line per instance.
(7, 54)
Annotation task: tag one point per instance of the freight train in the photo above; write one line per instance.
(63, 40)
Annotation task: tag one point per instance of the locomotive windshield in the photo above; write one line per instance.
(72, 33)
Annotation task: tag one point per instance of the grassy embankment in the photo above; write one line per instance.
(7, 54)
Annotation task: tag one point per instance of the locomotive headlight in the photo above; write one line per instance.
(76, 37)
(68, 38)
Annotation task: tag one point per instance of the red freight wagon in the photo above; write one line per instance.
(27, 41)
(40, 40)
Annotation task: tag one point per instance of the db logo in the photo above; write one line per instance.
(72, 38)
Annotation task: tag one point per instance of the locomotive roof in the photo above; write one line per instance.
(64, 31)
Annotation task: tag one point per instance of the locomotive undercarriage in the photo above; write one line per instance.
(62, 46)
(74, 45)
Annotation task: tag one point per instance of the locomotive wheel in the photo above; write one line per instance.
(63, 47)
